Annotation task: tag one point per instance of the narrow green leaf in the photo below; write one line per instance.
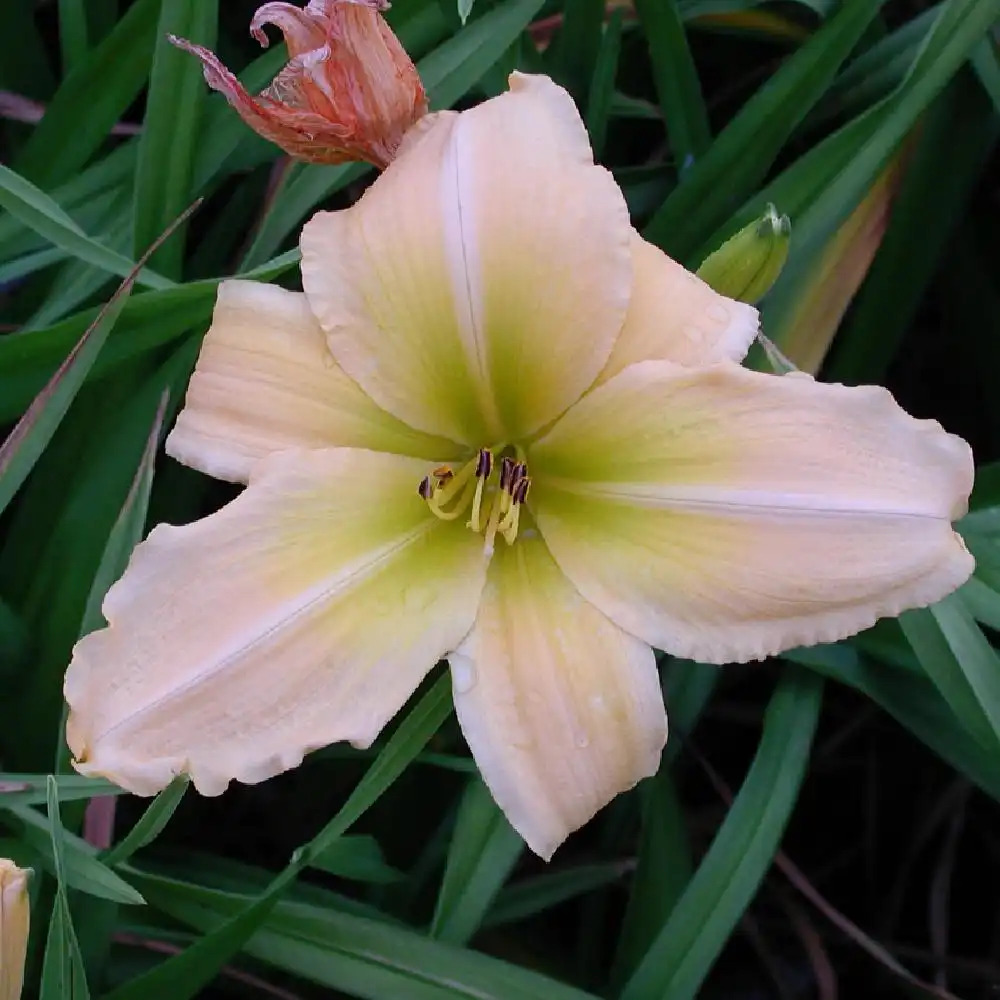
(76, 281)
(359, 858)
(676, 80)
(353, 955)
(28, 439)
(876, 72)
(951, 149)
(484, 849)
(913, 702)
(574, 53)
(523, 899)
(744, 151)
(72, 33)
(457, 65)
(304, 187)
(41, 214)
(125, 535)
(85, 196)
(30, 263)
(184, 975)
(76, 864)
(91, 99)
(986, 63)
(957, 30)
(31, 789)
(664, 866)
(982, 602)
(24, 65)
(662, 874)
(602, 84)
(727, 878)
(405, 744)
(961, 663)
(151, 823)
(147, 321)
(63, 974)
(168, 144)
(13, 644)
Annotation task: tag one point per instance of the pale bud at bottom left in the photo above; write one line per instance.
(14, 919)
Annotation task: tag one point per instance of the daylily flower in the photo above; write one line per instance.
(349, 91)
(14, 918)
(497, 427)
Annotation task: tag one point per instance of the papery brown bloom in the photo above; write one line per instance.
(349, 91)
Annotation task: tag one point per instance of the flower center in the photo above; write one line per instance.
(493, 492)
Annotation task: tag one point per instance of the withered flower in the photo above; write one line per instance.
(349, 91)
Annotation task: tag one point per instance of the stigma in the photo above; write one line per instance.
(491, 492)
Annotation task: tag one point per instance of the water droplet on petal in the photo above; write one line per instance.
(463, 674)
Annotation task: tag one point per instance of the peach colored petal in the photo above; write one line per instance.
(561, 708)
(478, 286)
(304, 612)
(349, 91)
(265, 382)
(674, 316)
(724, 514)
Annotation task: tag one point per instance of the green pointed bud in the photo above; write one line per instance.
(748, 264)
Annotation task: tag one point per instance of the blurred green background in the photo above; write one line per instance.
(873, 763)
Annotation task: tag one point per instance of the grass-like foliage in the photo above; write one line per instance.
(390, 874)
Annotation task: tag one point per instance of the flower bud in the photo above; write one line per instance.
(748, 264)
(348, 92)
(13, 928)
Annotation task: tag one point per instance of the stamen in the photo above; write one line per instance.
(443, 492)
(506, 470)
(508, 526)
(460, 507)
(494, 505)
(484, 466)
(494, 522)
(477, 506)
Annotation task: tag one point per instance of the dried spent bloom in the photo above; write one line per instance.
(499, 427)
(349, 91)
(14, 919)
